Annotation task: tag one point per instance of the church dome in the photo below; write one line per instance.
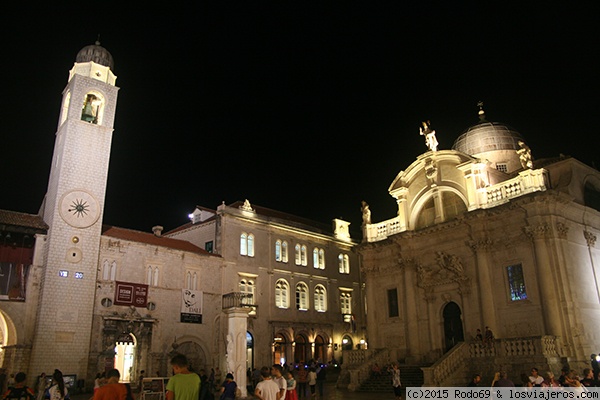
(97, 54)
(487, 136)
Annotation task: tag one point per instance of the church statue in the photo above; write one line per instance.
(366, 213)
(525, 155)
(430, 139)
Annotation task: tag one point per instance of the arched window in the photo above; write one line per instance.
(304, 256)
(278, 250)
(247, 244)
(105, 270)
(149, 276)
(320, 298)
(301, 296)
(113, 271)
(247, 287)
(250, 245)
(244, 244)
(282, 294)
(344, 263)
(284, 252)
(298, 257)
(319, 258)
(191, 281)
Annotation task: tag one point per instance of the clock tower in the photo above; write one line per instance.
(73, 208)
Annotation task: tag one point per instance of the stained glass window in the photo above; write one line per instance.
(516, 282)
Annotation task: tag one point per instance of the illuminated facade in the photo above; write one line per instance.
(239, 287)
(300, 279)
(486, 237)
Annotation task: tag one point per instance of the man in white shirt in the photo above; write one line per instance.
(266, 389)
(277, 372)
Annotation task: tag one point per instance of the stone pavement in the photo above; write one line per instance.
(330, 393)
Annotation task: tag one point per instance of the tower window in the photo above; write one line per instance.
(91, 108)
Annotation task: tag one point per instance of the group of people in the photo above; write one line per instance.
(54, 389)
(486, 338)
(290, 382)
(568, 378)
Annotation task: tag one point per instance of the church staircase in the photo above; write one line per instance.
(410, 376)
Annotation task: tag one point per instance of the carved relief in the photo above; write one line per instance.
(538, 231)
(590, 238)
(430, 170)
(481, 245)
(449, 269)
(562, 229)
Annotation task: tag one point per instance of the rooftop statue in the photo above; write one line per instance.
(430, 139)
(525, 155)
(366, 212)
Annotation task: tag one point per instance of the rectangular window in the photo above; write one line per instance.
(393, 303)
(208, 246)
(516, 282)
(502, 167)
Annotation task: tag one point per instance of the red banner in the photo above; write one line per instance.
(131, 294)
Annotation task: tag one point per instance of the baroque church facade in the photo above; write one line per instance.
(239, 287)
(485, 236)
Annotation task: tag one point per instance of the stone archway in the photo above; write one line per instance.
(195, 355)
(453, 327)
(301, 349)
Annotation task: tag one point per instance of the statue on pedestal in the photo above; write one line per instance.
(430, 139)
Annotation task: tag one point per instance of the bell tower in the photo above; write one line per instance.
(73, 209)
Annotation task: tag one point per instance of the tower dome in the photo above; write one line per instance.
(97, 54)
(493, 141)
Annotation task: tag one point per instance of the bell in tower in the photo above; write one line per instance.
(90, 109)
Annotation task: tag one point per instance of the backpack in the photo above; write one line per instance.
(22, 393)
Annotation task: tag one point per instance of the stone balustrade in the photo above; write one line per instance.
(527, 181)
(512, 351)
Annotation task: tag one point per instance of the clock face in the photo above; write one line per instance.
(79, 209)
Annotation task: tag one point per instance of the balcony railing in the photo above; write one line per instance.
(238, 300)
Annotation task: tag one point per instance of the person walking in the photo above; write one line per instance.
(321, 377)
(266, 389)
(19, 391)
(41, 385)
(113, 390)
(312, 381)
(184, 385)
(228, 388)
(277, 372)
(58, 391)
(302, 378)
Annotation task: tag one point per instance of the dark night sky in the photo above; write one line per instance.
(303, 108)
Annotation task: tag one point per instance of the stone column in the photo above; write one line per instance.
(484, 280)
(545, 275)
(411, 316)
(237, 326)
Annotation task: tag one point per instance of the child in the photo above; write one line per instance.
(290, 394)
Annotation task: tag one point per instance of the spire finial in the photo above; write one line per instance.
(98, 40)
(481, 112)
